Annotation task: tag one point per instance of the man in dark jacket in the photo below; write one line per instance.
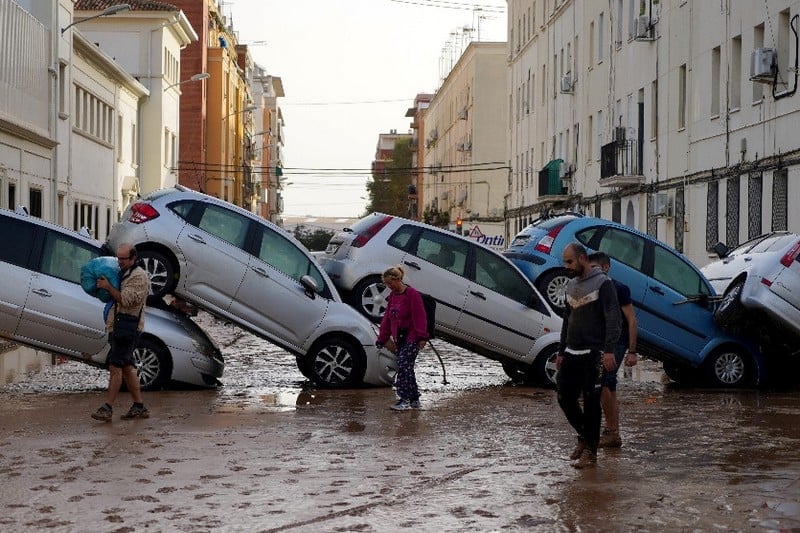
(590, 332)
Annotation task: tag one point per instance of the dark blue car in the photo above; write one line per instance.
(674, 302)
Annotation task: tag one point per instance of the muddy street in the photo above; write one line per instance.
(265, 453)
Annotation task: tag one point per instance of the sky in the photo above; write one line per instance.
(350, 71)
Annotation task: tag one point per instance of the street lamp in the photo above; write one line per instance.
(245, 110)
(196, 77)
(113, 10)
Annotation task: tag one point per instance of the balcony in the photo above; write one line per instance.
(550, 183)
(621, 164)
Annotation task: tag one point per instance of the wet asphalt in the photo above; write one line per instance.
(268, 452)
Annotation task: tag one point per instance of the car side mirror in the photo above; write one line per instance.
(721, 250)
(310, 286)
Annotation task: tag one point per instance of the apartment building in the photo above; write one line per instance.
(466, 177)
(671, 116)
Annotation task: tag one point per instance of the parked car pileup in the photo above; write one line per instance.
(43, 305)
(760, 281)
(674, 302)
(484, 303)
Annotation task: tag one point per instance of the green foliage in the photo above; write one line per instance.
(387, 192)
(315, 240)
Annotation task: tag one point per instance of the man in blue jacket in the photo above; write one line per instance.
(589, 334)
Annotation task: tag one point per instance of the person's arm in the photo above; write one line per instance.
(613, 320)
(385, 328)
(419, 319)
(562, 345)
(630, 315)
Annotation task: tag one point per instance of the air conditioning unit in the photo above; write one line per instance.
(662, 205)
(566, 83)
(763, 65)
(643, 28)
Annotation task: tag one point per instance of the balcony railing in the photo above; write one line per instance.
(621, 163)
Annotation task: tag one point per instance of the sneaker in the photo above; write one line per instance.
(576, 453)
(588, 459)
(610, 439)
(136, 412)
(415, 404)
(103, 414)
(402, 405)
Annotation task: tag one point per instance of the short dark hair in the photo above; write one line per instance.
(578, 248)
(601, 258)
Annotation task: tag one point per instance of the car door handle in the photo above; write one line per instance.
(260, 271)
(478, 294)
(657, 290)
(42, 292)
(197, 238)
(412, 264)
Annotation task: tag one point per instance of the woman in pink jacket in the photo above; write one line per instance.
(404, 332)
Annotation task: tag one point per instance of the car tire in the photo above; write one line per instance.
(553, 287)
(160, 272)
(369, 298)
(680, 374)
(730, 311)
(335, 363)
(728, 367)
(544, 371)
(516, 373)
(153, 364)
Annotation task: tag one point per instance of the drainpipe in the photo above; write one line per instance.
(55, 35)
(786, 93)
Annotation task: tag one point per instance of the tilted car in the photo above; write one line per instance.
(674, 302)
(760, 281)
(484, 303)
(244, 269)
(43, 305)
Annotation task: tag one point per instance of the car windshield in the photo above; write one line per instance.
(774, 243)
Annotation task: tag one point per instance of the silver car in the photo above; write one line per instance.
(760, 278)
(241, 268)
(43, 305)
(484, 303)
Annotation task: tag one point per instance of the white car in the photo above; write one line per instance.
(760, 278)
(244, 269)
(42, 304)
(484, 303)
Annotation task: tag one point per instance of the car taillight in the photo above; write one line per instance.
(364, 237)
(545, 244)
(791, 255)
(142, 213)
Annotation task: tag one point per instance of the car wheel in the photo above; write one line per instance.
(369, 298)
(730, 310)
(728, 367)
(515, 373)
(553, 286)
(544, 367)
(335, 363)
(153, 364)
(680, 374)
(160, 271)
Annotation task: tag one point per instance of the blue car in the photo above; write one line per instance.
(674, 302)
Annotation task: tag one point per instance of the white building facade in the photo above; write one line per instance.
(644, 112)
(465, 141)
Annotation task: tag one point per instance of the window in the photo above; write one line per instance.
(618, 24)
(654, 109)
(682, 96)
(591, 44)
(589, 135)
(35, 204)
(62, 89)
(735, 82)
(625, 247)
(675, 273)
(716, 75)
(443, 251)
(783, 47)
(754, 202)
(600, 125)
(93, 117)
(780, 204)
(283, 255)
(120, 129)
(498, 276)
(63, 256)
(16, 251)
(712, 215)
(12, 196)
(758, 42)
(134, 146)
(732, 212)
(600, 37)
(632, 11)
(225, 224)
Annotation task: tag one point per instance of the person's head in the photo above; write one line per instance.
(600, 259)
(393, 277)
(126, 255)
(575, 259)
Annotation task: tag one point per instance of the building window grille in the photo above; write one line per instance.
(712, 215)
(680, 210)
(780, 204)
(732, 218)
(754, 202)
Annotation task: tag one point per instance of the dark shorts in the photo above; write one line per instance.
(121, 353)
(610, 378)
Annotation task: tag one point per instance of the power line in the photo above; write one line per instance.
(353, 102)
(444, 4)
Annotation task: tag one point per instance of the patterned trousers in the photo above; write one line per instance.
(406, 381)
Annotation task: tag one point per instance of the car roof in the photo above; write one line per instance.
(50, 225)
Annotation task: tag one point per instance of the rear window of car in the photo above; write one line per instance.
(550, 223)
(774, 243)
(16, 251)
(362, 226)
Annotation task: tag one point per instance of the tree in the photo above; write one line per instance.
(388, 190)
(316, 240)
